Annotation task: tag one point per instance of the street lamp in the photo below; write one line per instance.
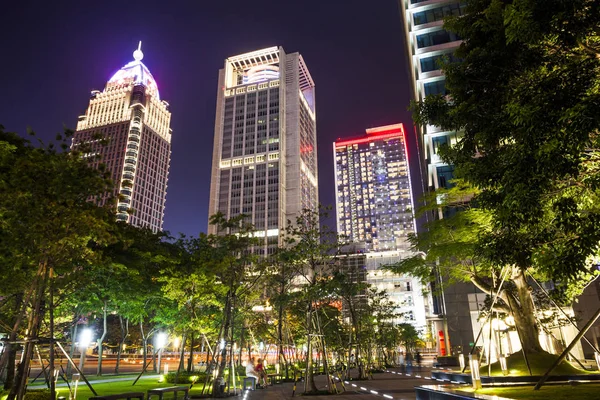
(84, 341)
(160, 342)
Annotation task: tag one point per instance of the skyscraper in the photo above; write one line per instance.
(373, 192)
(134, 123)
(374, 211)
(265, 145)
(426, 42)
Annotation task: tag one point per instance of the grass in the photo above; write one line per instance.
(539, 362)
(108, 388)
(554, 392)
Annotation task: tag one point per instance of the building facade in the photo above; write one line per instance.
(127, 129)
(373, 189)
(426, 43)
(265, 144)
(374, 211)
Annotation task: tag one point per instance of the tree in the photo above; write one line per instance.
(524, 90)
(313, 248)
(236, 265)
(50, 231)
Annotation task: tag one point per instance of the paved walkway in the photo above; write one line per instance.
(392, 386)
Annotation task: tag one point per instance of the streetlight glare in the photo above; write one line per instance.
(85, 338)
(161, 340)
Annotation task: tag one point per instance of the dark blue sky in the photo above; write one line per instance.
(54, 53)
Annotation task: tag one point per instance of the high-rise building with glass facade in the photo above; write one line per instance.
(374, 211)
(373, 189)
(127, 128)
(426, 43)
(265, 144)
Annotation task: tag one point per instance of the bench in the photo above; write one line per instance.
(273, 378)
(251, 380)
(160, 392)
(128, 395)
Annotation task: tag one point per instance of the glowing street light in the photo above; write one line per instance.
(85, 338)
(160, 341)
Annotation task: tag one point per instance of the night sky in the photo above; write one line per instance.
(54, 53)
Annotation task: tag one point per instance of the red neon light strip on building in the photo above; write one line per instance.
(370, 138)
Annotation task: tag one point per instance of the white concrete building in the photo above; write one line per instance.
(135, 123)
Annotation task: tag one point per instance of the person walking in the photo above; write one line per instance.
(409, 362)
(401, 362)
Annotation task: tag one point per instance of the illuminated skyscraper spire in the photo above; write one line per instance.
(129, 114)
(137, 54)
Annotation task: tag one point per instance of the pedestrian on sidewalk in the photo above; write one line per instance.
(401, 362)
(409, 362)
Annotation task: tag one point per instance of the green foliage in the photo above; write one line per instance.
(525, 85)
(539, 364)
(37, 395)
(185, 377)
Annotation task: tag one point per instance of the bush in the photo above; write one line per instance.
(43, 394)
(182, 377)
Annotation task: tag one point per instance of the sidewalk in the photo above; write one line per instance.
(383, 386)
(388, 385)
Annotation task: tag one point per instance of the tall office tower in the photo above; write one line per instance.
(427, 42)
(265, 146)
(373, 192)
(375, 212)
(134, 122)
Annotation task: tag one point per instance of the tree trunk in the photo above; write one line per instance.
(191, 357)
(181, 366)
(144, 343)
(223, 359)
(20, 309)
(124, 334)
(10, 370)
(101, 339)
(73, 340)
(524, 315)
(35, 319)
(309, 382)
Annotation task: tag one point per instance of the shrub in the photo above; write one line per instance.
(183, 377)
(43, 394)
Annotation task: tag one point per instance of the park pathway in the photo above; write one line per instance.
(388, 385)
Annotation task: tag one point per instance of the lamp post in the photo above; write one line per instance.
(160, 342)
(85, 338)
